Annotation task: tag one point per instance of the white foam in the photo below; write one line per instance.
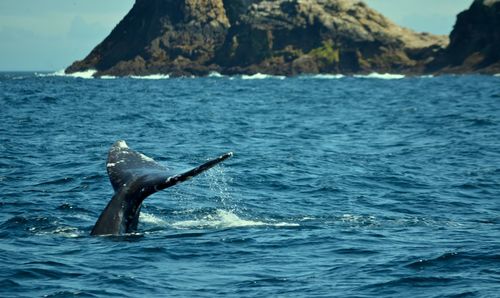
(226, 219)
(67, 232)
(382, 76)
(497, 75)
(214, 74)
(284, 224)
(58, 73)
(328, 76)
(152, 77)
(107, 77)
(20, 77)
(151, 219)
(358, 219)
(261, 76)
(88, 74)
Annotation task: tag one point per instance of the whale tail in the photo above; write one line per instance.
(134, 177)
(125, 165)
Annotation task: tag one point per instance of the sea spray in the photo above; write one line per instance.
(218, 183)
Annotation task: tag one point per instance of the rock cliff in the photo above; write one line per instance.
(321, 36)
(161, 36)
(474, 42)
(288, 37)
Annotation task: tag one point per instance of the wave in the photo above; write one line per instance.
(152, 77)
(215, 74)
(326, 76)
(382, 76)
(88, 74)
(261, 76)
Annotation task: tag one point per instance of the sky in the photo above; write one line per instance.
(48, 35)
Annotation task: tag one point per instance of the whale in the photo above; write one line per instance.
(135, 176)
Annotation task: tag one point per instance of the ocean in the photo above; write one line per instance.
(340, 186)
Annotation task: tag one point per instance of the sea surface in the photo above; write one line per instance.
(367, 186)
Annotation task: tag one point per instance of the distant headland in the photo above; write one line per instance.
(289, 37)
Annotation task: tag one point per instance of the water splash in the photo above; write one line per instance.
(151, 219)
(227, 219)
(219, 184)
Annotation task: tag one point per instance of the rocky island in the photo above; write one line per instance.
(288, 37)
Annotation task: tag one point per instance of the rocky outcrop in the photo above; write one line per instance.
(322, 36)
(286, 37)
(474, 42)
(161, 36)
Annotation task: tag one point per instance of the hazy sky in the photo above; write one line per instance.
(51, 34)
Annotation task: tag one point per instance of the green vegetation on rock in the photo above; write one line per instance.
(326, 54)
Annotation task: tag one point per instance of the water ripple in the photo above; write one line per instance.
(348, 187)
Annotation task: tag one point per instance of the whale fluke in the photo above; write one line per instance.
(134, 177)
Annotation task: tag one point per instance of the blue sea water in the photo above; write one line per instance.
(340, 186)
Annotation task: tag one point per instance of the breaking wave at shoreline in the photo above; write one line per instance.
(382, 76)
(91, 74)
